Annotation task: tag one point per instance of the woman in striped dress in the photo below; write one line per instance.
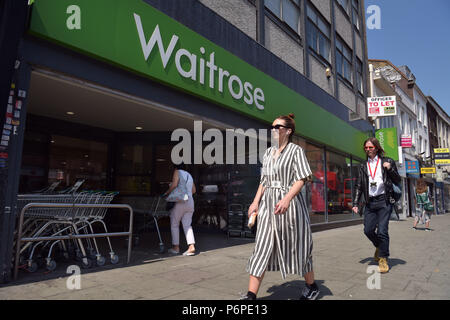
(283, 237)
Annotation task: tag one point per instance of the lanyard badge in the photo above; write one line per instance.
(373, 184)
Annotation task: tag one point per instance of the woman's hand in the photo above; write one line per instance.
(253, 208)
(282, 206)
(355, 210)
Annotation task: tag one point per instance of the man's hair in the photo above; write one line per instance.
(377, 145)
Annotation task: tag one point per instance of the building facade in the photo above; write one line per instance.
(438, 122)
(101, 93)
(419, 118)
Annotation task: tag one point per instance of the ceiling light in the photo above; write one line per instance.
(139, 128)
(70, 113)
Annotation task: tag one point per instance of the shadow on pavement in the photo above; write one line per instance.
(391, 261)
(145, 251)
(292, 290)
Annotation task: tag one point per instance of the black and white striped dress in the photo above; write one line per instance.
(283, 241)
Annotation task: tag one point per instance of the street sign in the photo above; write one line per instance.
(442, 161)
(406, 141)
(442, 156)
(382, 106)
(428, 170)
(412, 166)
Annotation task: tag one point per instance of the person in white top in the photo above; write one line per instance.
(182, 212)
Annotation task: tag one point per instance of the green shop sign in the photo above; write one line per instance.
(388, 141)
(135, 36)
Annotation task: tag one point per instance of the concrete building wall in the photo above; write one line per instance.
(346, 96)
(358, 47)
(324, 8)
(318, 76)
(362, 108)
(240, 13)
(283, 46)
(343, 27)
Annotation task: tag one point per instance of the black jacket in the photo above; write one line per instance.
(389, 176)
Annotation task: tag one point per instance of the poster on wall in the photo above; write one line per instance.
(388, 140)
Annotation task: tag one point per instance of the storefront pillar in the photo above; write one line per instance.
(15, 76)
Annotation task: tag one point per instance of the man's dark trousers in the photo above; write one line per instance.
(377, 214)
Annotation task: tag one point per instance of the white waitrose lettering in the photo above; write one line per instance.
(236, 87)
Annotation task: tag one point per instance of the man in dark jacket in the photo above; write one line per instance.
(376, 176)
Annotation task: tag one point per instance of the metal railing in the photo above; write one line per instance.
(21, 240)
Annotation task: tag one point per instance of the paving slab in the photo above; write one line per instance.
(342, 258)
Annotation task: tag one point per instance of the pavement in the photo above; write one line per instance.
(343, 265)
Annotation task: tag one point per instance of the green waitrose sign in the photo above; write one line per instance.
(133, 35)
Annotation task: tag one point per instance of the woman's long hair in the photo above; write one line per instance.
(377, 145)
(421, 186)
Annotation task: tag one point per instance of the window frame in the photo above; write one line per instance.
(315, 29)
(357, 23)
(346, 11)
(344, 58)
(280, 18)
(360, 73)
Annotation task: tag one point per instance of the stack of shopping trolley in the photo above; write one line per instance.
(53, 222)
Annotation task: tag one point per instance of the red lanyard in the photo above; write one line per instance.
(375, 172)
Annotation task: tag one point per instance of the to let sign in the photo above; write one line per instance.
(382, 106)
(406, 141)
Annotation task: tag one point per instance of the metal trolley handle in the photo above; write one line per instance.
(20, 240)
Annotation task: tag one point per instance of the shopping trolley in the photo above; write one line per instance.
(159, 210)
(54, 222)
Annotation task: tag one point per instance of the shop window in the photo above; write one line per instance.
(134, 168)
(314, 191)
(73, 160)
(348, 198)
(338, 180)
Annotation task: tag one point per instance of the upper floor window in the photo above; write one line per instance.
(355, 13)
(287, 11)
(359, 76)
(343, 60)
(344, 4)
(318, 34)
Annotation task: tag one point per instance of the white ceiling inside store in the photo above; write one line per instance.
(53, 96)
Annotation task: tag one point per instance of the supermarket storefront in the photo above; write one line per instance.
(108, 82)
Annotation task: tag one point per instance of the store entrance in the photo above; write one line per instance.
(83, 135)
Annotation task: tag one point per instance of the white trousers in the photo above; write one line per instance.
(182, 211)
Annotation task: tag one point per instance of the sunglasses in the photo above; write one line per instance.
(369, 148)
(278, 126)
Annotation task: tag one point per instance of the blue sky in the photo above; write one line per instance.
(416, 33)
